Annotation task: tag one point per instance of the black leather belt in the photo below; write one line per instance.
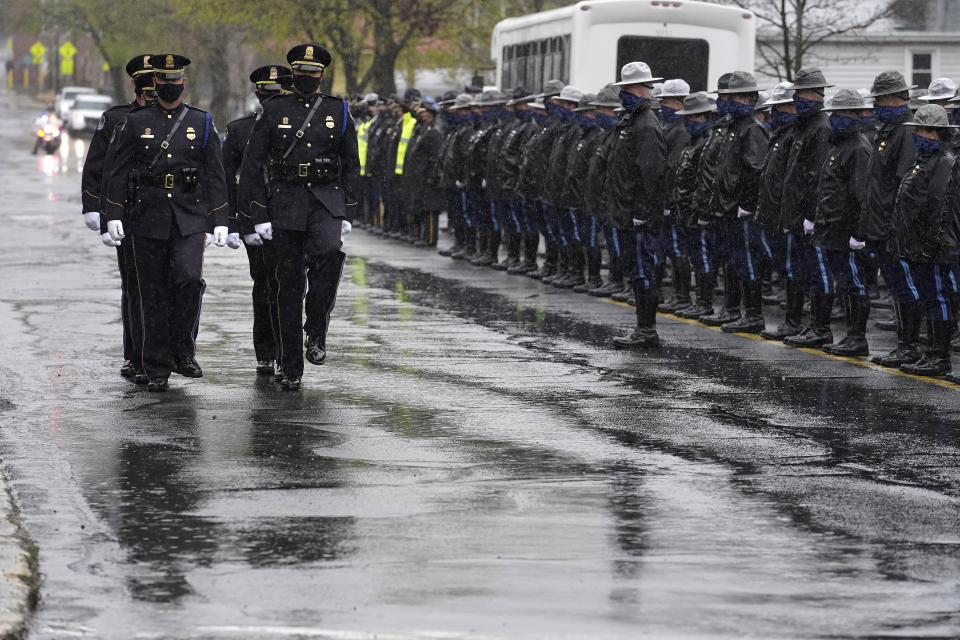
(166, 181)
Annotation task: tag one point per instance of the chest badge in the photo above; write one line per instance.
(146, 133)
(191, 133)
(286, 120)
(329, 122)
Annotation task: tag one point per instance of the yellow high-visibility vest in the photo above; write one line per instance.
(406, 132)
(363, 136)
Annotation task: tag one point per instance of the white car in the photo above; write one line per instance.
(66, 96)
(85, 113)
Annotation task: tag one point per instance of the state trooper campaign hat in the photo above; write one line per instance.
(570, 93)
(932, 116)
(447, 98)
(889, 82)
(845, 99)
(609, 96)
(695, 103)
(636, 73)
(139, 66)
(271, 77)
(739, 82)
(867, 98)
(762, 97)
(809, 79)
(674, 88)
(940, 89)
(169, 65)
(490, 98)
(309, 57)
(462, 101)
(550, 88)
(520, 95)
(586, 102)
(780, 94)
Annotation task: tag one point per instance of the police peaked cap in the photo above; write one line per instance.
(309, 57)
(270, 77)
(139, 65)
(169, 65)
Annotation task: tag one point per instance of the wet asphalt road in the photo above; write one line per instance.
(471, 462)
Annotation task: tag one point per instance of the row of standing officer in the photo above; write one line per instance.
(810, 190)
(157, 188)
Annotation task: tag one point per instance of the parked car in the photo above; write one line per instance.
(66, 95)
(85, 113)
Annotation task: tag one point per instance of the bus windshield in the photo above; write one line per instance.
(669, 57)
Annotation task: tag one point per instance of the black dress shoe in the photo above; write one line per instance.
(187, 367)
(639, 338)
(278, 376)
(129, 370)
(290, 384)
(265, 367)
(157, 384)
(316, 352)
(141, 378)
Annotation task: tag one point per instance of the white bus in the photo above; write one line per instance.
(587, 43)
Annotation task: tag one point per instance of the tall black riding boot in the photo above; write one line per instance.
(752, 320)
(483, 245)
(563, 265)
(818, 333)
(732, 295)
(703, 305)
(577, 264)
(492, 252)
(681, 287)
(614, 281)
(645, 335)
(593, 281)
(909, 315)
(469, 246)
(855, 344)
(530, 243)
(793, 323)
(549, 267)
(513, 242)
(936, 361)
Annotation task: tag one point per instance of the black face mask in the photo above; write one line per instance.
(169, 92)
(307, 85)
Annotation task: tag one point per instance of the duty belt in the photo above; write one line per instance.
(306, 170)
(167, 180)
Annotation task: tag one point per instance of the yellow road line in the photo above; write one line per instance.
(823, 354)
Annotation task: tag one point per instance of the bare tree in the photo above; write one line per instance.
(799, 26)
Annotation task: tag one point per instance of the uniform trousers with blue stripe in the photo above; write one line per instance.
(928, 283)
(745, 248)
(846, 270)
(639, 253)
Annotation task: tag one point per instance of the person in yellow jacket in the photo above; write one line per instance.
(405, 184)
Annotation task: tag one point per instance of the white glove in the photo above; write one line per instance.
(233, 240)
(459, 184)
(345, 228)
(207, 240)
(639, 223)
(807, 227)
(265, 230)
(483, 183)
(856, 245)
(107, 240)
(92, 220)
(703, 223)
(253, 239)
(115, 229)
(666, 213)
(220, 236)
(743, 213)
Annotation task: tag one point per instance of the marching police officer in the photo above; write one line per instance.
(268, 82)
(306, 145)
(167, 162)
(141, 73)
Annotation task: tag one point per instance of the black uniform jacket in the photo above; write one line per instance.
(740, 166)
(774, 170)
(163, 195)
(687, 208)
(595, 190)
(234, 144)
(475, 153)
(511, 156)
(843, 190)
(295, 190)
(921, 215)
(452, 161)
(534, 169)
(891, 157)
(422, 164)
(635, 170)
(565, 143)
(710, 169)
(491, 170)
(807, 155)
(91, 182)
(675, 133)
(578, 168)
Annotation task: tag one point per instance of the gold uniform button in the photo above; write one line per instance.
(169, 195)
(308, 144)
(169, 156)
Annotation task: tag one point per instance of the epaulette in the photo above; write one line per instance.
(241, 118)
(190, 106)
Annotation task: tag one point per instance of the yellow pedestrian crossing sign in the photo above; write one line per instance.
(37, 50)
(67, 50)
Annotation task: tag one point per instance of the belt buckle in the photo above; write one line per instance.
(303, 170)
(168, 181)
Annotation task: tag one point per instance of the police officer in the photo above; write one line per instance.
(167, 161)
(452, 175)
(369, 202)
(635, 188)
(521, 232)
(141, 74)
(268, 82)
(421, 168)
(672, 234)
(404, 184)
(837, 227)
(306, 144)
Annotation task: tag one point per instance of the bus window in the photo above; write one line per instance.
(668, 58)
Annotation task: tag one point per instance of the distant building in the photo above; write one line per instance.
(922, 48)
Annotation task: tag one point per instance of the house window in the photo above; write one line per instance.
(922, 69)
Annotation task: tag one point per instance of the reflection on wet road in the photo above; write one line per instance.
(466, 465)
